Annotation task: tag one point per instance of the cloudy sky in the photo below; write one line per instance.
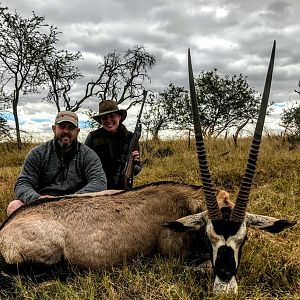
(233, 36)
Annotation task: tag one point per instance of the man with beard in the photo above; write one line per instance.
(60, 166)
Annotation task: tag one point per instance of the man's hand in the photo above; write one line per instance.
(135, 156)
(46, 196)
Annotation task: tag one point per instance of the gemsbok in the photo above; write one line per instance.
(226, 227)
(97, 231)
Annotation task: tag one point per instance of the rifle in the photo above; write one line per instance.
(129, 165)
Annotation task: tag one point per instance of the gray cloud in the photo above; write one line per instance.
(231, 35)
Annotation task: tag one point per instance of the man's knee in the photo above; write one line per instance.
(13, 205)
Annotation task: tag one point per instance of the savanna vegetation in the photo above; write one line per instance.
(269, 268)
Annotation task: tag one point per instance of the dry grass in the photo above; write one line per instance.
(270, 266)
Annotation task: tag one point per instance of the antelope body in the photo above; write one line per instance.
(95, 231)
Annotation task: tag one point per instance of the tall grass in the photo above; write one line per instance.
(270, 266)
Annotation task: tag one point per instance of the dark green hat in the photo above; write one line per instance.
(107, 107)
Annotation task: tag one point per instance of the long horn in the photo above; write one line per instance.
(239, 210)
(211, 201)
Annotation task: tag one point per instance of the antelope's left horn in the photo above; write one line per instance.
(238, 213)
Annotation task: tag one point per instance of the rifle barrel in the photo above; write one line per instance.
(142, 106)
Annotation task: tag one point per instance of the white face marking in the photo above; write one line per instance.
(259, 221)
(234, 242)
(216, 240)
(225, 287)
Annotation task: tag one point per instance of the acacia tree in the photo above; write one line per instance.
(23, 42)
(225, 103)
(162, 108)
(5, 130)
(121, 77)
(290, 120)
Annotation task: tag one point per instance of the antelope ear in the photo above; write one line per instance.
(191, 222)
(269, 224)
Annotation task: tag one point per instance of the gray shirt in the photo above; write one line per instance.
(45, 173)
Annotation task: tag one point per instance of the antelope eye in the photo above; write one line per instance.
(239, 242)
(239, 239)
(214, 238)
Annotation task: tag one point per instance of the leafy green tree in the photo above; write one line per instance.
(162, 109)
(225, 103)
(5, 130)
(23, 42)
(290, 120)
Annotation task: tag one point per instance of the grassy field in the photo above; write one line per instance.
(270, 266)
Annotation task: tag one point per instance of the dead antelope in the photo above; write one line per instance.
(96, 231)
(226, 227)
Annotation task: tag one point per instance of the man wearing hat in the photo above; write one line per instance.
(111, 142)
(60, 166)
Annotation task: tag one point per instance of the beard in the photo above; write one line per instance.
(65, 143)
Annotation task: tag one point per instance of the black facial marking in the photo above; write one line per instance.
(226, 212)
(197, 245)
(240, 249)
(225, 267)
(176, 226)
(226, 228)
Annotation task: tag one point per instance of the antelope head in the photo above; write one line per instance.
(226, 224)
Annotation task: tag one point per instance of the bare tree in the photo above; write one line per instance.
(61, 74)
(23, 42)
(121, 77)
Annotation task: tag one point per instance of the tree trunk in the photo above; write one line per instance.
(155, 135)
(15, 112)
(238, 130)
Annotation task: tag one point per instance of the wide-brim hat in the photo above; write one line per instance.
(107, 107)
